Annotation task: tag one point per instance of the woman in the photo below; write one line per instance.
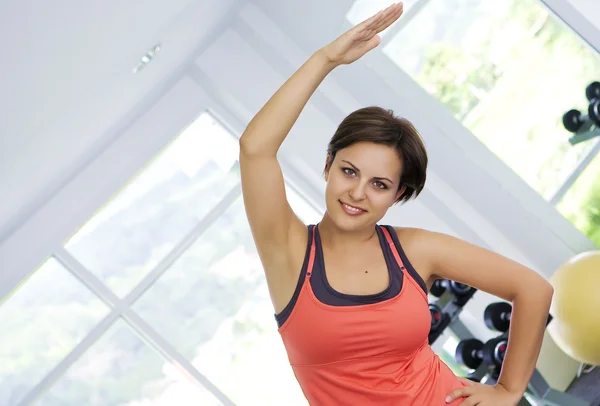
(352, 308)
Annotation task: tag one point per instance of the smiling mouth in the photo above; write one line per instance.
(352, 209)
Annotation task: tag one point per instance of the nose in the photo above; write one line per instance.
(357, 193)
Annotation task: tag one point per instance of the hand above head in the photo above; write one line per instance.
(362, 38)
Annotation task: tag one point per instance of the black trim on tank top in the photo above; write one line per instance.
(325, 293)
(411, 270)
(287, 310)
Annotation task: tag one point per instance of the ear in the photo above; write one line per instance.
(401, 190)
(328, 162)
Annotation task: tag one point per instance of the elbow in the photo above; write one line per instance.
(245, 145)
(250, 147)
(540, 291)
(545, 289)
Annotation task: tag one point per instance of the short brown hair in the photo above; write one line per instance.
(381, 126)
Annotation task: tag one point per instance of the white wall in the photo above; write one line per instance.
(68, 86)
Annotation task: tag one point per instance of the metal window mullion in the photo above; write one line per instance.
(570, 180)
(88, 279)
(93, 336)
(161, 345)
(121, 307)
(185, 243)
(110, 299)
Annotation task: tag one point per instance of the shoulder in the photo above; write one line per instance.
(430, 248)
(412, 235)
(415, 244)
(421, 236)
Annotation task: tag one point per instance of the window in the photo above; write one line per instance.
(508, 71)
(214, 307)
(42, 322)
(121, 369)
(581, 204)
(166, 270)
(125, 240)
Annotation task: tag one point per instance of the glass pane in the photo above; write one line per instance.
(122, 370)
(363, 9)
(305, 211)
(41, 324)
(445, 348)
(125, 240)
(508, 70)
(213, 305)
(581, 205)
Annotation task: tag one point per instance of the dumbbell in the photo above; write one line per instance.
(439, 286)
(574, 120)
(439, 322)
(594, 111)
(437, 316)
(472, 352)
(497, 316)
(592, 91)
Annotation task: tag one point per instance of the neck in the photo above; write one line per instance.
(338, 239)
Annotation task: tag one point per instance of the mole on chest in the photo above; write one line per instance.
(362, 278)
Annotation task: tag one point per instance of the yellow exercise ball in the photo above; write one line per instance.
(576, 308)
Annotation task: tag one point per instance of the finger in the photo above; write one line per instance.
(389, 19)
(370, 21)
(459, 393)
(470, 401)
(378, 18)
(467, 381)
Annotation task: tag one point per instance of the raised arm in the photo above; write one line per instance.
(269, 214)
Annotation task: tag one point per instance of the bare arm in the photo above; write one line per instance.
(269, 128)
(529, 292)
(277, 232)
(268, 211)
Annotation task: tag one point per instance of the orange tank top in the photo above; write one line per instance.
(365, 354)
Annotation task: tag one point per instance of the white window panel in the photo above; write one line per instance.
(121, 369)
(128, 237)
(42, 322)
(213, 305)
(508, 70)
(581, 204)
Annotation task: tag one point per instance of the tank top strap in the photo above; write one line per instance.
(413, 276)
(313, 250)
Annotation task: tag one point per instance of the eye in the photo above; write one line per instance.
(349, 171)
(380, 185)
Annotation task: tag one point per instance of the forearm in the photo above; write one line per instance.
(527, 325)
(268, 129)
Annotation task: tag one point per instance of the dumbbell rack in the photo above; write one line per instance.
(539, 392)
(585, 126)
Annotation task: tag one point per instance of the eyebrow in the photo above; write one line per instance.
(358, 170)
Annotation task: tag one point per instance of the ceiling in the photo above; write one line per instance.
(67, 69)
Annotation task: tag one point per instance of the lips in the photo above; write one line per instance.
(352, 210)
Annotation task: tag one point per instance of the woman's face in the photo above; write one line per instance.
(362, 184)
